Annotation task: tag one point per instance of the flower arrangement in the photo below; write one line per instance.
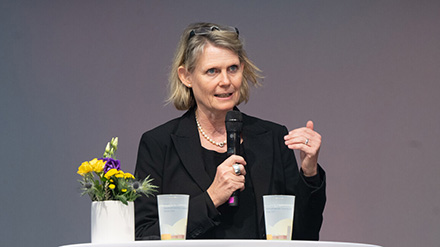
(103, 179)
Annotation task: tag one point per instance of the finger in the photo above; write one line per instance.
(242, 188)
(304, 131)
(310, 148)
(242, 181)
(309, 124)
(305, 140)
(235, 181)
(235, 159)
(303, 134)
(302, 147)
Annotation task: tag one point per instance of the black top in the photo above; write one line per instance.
(233, 219)
(172, 155)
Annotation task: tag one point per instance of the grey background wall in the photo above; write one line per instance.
(75, 73)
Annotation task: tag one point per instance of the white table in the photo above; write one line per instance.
(223, 243)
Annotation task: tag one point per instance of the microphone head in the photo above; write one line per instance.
(234, 121)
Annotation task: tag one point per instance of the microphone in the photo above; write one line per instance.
(234, 124)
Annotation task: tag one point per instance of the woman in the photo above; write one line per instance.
(210, 76)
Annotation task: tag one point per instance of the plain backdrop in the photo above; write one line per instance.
(74, 74)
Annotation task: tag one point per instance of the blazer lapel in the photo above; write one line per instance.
(187, 143)
(259, 157)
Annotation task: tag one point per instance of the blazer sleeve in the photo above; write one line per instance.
(146, 220)
(309, 200)
(154, 159)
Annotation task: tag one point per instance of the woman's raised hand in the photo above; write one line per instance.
(308, 142)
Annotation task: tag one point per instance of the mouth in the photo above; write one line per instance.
(223, 95)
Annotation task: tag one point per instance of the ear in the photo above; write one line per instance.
(184, 76)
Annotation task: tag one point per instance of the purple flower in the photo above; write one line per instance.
(111, 164)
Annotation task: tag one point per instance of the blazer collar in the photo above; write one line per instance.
(187, 142)
(258, 146)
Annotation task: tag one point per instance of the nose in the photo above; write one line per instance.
(224, 79)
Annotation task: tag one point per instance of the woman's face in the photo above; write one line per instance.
(216, 80)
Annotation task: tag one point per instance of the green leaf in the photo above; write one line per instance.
(122, 199)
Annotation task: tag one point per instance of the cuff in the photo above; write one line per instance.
(313, 181)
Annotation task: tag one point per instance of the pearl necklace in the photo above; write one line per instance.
(219, 144)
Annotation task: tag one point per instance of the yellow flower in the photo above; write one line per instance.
(124, 190)
(128, 175)
(120, 174)
(112, 186)
(98, 165)
(84, 168)
(110, 173)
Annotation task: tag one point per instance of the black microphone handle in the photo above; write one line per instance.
(234, 125)
(233, 200)
(233, 142)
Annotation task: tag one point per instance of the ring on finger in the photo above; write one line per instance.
(236, 168)
(307, 141)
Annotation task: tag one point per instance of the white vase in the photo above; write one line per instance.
(112, 221)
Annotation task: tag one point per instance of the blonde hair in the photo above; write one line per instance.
(188, 51)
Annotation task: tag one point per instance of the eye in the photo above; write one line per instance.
(211, 71)
(233, 68)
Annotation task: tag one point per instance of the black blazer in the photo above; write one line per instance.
(172, 155)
